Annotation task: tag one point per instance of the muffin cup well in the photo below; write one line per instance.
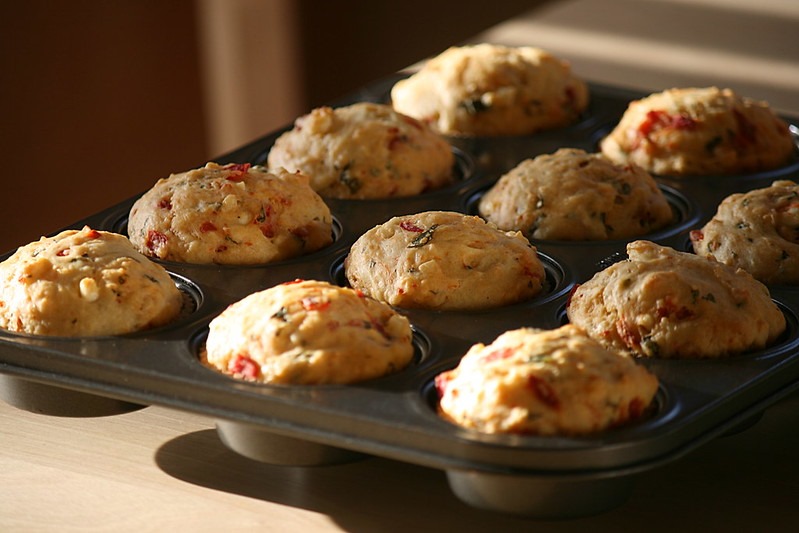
(52, 400)
(543, 496)
(255, 442)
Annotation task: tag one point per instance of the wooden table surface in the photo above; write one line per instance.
(157, 469)
(162, 470)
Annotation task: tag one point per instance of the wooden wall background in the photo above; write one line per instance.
(99, 98)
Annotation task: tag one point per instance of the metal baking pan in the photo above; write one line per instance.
(395, 416)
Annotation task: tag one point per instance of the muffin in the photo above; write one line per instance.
(574, 195)
(364, 151)
(492, 90)
(757, 231)
(233, 214)
(670, 304)
(559, 382)
(84, 283)
(308, 332)
(700, 131)
(444, 260)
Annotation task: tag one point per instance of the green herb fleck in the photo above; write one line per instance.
(608, 227)
(539, 358)
(789, 197)
(650, 347)
(281, 314)
(424, 238)
(711, 145)
(350, 181)
(474, 106)
(622, 187)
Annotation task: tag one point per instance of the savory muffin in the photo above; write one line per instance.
(308, 332)
(575, 195)
(492, 90)
(700, 131)
(669, 304)
(364, 151)
(84, 283)
(558, 382)
(444, 260)
(757, 231)
(234, 214)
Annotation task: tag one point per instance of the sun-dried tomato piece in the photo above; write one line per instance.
(238, 171)
(312, 303)
(155, 240)
(629, 335)
(636, 408)
(543, 391)
(746, 130)
(497, 355)
(243, 365)
(658, 119)
(441, 381)
(697, 235)
(668, 309)
(407, 225)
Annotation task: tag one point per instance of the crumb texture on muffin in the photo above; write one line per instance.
(545, 382)
(492, 90)
(444, 260)
(757, 231)
(308, 332)
(575, 195)
(700, 131)
(669, 304)
(364, 151)
(84, 283)
(234, 214)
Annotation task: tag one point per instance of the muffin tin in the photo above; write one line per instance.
(395, 416)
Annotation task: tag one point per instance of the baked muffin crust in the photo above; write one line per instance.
(575, 195)
(558, 382)
(700, 131)
(308, 332)
(492, 90)
(757, 231)
(84, 283)
(670, 304)
(444, 260)
(364, 151)
(234, 214)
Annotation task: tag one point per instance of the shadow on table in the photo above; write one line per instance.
(373, 494)
(747, 479)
